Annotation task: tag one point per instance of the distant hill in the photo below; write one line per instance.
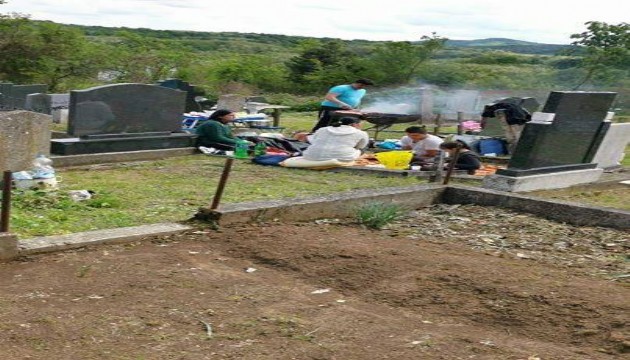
(517, 46)
(250, 42)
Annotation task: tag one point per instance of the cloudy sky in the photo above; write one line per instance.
(544, 21)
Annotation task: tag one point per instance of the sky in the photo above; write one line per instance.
(542, 21)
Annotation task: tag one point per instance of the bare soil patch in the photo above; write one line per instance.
(448, 282)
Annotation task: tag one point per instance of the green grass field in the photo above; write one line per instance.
(129, 194)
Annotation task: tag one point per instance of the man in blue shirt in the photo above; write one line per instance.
(341, 97)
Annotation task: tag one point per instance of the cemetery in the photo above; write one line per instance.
(120, 254)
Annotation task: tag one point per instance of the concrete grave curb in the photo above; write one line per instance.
(107, 236)
(330, 206)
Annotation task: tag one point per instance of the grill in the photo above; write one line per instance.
(379, 121)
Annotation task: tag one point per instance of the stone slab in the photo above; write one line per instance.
(108, 236)
(75, 146)
(8, 246)
(544, 170)
(23, 135)
(542, 181)
(611, 151)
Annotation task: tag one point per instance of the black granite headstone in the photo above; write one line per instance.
(125, 108)
(14, 96)
(570, 141)
(191, 92)
(124, 117)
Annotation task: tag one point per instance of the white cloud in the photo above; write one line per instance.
(533, 20)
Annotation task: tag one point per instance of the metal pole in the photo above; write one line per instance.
(6, 202)
(451, 166)
(224, 176)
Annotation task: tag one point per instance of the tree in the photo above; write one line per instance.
(140, 59)
(397, 62)
(604, 46)
(35, 51)
(316, 56)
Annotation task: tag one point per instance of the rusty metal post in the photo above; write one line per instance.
(451, 166)
(222, 181)
(5, 214)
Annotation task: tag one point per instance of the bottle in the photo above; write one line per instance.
(241, 150)
(42, 168)
(260, 149)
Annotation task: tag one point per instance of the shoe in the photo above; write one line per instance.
(206, 150)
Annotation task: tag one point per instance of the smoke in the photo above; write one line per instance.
(430, 100)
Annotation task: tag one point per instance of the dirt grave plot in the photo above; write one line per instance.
(447, 282)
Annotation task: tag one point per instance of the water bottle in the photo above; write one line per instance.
(42, 168)
(241, 150)
(260, 149)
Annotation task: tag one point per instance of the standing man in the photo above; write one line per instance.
(425, 146)
(341, 97)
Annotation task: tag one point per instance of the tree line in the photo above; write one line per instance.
(71, 57)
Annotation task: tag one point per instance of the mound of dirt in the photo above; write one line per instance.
(448, 282)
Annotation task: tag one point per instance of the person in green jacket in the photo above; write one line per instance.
(216, 133)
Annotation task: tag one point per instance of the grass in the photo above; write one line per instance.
(376, 215)
(129, 194)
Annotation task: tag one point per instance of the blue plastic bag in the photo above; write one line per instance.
(270, 160)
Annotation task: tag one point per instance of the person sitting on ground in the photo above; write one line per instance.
(425, 146)
(343, 140)
(216, 133)
(466, 160)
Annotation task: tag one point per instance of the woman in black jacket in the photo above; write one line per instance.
(467, 159)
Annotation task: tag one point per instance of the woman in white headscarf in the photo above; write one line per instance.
(343, 140)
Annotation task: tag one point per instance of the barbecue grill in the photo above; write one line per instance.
(380, 121)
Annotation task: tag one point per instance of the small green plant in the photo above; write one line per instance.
(376, 215)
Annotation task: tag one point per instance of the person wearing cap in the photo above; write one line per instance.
(341, 97)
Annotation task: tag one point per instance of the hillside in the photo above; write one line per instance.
(516, 46)
(253, 42)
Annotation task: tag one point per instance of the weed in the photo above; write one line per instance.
(376, 215)
(83, 270)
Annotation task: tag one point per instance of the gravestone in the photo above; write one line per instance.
(191, 92)
(23, 135)
(14, 96)
(39, 103)
(124, 117)
(569, 141)
(558, 151)
(52, 104)
(611, 151)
